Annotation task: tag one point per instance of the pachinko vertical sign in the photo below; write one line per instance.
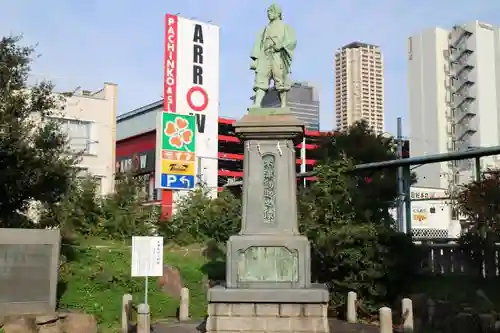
(191, 93)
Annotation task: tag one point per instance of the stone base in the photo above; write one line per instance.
(317, 294)
(267, 317)
(267, 124)
(268, 111)
(296, 245)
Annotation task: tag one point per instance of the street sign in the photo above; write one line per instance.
(173, 155)
(178, 132)
(176, 156)
(147, 256)
(177, 167)
(177, 182)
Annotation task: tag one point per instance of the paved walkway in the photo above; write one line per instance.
(196, 326)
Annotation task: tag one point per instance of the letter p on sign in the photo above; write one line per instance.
(171, 179)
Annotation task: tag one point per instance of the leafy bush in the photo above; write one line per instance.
(124, 215)
(348, 251)
(479, 203)
(119, 215)
(199, 218)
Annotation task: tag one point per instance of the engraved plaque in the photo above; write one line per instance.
(25, 273)
(268, 264)
(269, 184)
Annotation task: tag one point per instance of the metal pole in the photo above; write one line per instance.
(303, 159)
(400, 177)
(199, 172)
(407, 199)
(478, 168)
(146, 290)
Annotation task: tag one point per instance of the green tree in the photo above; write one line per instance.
(35, 164)
(349, 252)
(479, 203)
(78, 212)
(199, 218)
(359, 143)
(119, 215)
(124, 214)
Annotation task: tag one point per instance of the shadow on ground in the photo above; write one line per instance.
(336, 326)
(215, 268)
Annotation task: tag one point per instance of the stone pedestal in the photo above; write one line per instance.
(267, 317)
(268, 280)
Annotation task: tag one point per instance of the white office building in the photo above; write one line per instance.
(89, 120)
(454, 95)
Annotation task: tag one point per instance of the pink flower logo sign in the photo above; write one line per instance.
(178, 132)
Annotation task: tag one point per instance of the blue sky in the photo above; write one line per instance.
(84, 43)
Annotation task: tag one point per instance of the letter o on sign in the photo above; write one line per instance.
(189, 98)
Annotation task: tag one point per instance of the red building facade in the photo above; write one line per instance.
(136, 146)
(137, 154)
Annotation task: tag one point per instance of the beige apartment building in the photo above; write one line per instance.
(359, 86)
(89, 120)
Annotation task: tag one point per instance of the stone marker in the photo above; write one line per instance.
(385, 318)
(268, 274)
(143, 318)
(352, 308)
(184, 305)
(29, 265)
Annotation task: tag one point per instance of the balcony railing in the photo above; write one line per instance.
(465, 129)
(463, 81)
(458, 35)
(456, 53)
(463, 112)
(465, 95)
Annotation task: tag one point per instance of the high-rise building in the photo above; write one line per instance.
(359, 86)
(303, 101)
(454, 95)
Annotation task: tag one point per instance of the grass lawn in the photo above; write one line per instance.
(97, 275)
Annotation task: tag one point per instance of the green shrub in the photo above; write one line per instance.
(119, 215)
(199, 218)
(349, 252)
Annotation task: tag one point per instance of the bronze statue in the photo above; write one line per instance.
(272, 56)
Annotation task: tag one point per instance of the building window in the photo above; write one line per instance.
(79, 134)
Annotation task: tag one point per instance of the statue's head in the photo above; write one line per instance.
(274, 12)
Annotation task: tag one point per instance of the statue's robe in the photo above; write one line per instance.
(269, 64)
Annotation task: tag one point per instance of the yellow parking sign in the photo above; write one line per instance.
(177, 167)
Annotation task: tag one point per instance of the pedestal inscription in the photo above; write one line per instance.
(268, 264)
(29, 263)
(269, 184)
(25, 272)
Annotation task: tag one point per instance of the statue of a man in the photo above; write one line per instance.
(272, 56)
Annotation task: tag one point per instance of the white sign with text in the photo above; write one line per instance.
(147, 256)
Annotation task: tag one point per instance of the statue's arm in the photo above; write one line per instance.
(257, 45)
(289, 40)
